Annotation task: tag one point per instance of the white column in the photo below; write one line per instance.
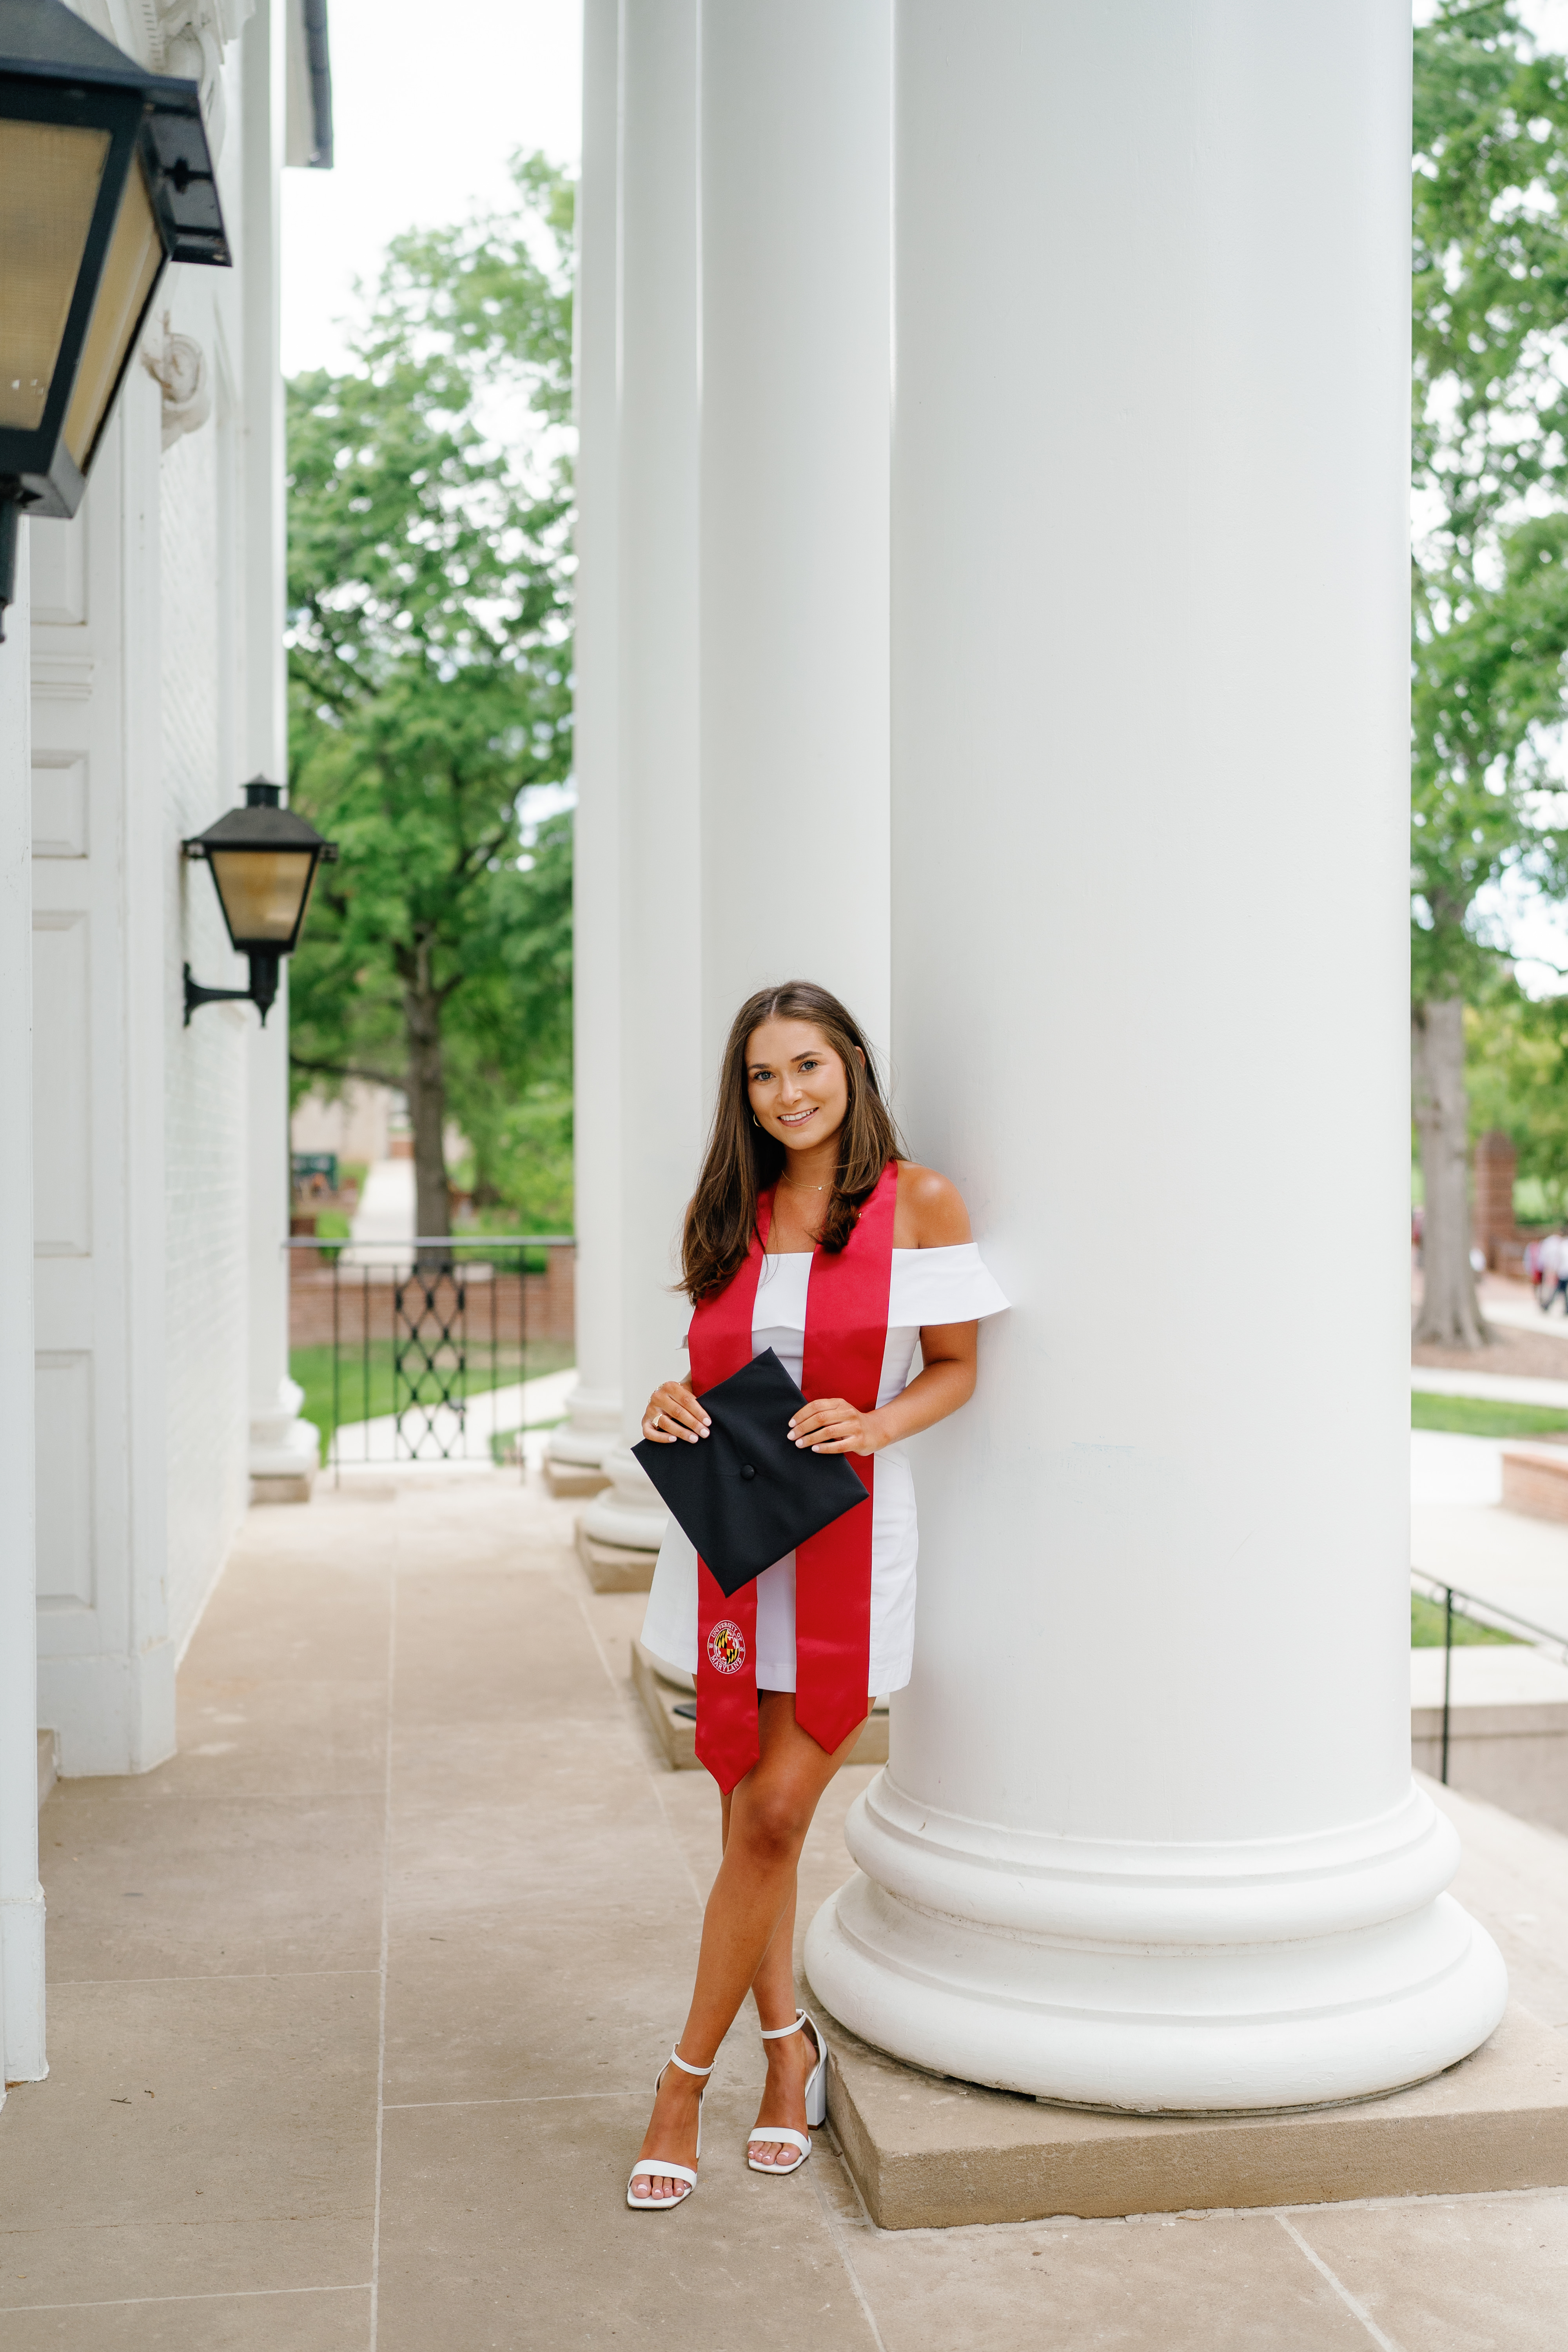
(284, 1450)
(22, 2057)
(660, 846)
(575, 1452)
(1148, 1837)
(797, 99)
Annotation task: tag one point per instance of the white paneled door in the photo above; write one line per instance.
(105, 1662)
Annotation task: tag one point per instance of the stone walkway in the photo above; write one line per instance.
(356, 2004)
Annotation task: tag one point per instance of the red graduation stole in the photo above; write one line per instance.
(845, 1340)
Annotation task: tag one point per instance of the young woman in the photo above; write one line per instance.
(807, 1233)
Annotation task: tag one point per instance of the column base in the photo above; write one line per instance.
(285, 1451)
(574, 1453)
(1157, 1980)
(630, 1517)
(614, 1568)
(111, 1714)
(22, 2045)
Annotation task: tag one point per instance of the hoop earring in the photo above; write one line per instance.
(755, 1120)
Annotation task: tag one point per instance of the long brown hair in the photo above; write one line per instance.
(742, 1158)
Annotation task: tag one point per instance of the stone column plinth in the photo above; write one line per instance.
(1148, 1837)
(574, 1454)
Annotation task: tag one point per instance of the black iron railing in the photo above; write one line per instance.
(1478, 1611)
(419, 1350)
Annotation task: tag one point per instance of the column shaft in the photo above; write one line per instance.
(577, 1449)
(660, 846)
(796, 104)
(1148, 1837)
(284, 1450)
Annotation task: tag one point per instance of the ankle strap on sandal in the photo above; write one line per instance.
(677, 2060)
(777, 2033)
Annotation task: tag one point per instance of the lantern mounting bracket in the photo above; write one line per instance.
(262, 992)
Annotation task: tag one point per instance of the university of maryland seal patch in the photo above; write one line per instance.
(726, 1647)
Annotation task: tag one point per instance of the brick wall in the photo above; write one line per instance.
(1494, 1163)
(364, 1306)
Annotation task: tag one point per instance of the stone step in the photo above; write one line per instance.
(1508, 1727)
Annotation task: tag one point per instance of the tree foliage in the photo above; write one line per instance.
(429, 661)
(1491, 465)
(1516, 1068)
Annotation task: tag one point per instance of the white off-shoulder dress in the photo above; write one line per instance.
(929, 1285)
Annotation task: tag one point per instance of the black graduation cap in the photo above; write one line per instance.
(746, 1494)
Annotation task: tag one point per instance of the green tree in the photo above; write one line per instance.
(429, 660)
(1491, 585)
(1516, 1076)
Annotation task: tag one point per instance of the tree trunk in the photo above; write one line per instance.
(1451, 1317)
(426, 1088)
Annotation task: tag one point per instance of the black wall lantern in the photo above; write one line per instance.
(263, 860)
(105, 177)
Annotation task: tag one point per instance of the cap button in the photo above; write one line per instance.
(748, 1470)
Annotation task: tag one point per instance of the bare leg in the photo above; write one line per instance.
(790, 2059)
(748, 1931)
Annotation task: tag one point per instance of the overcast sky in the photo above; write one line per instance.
(427, 105)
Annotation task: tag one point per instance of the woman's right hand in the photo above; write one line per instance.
(674, 1412)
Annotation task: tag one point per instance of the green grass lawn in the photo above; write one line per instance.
(359, 1400)
(1427, 1627)
(1483, 1416)
(1469, 1417)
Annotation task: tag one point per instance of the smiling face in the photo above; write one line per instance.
(798, 1087)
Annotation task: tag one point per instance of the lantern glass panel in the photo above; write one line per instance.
(49, 177)
(263, 892)
(129, 274)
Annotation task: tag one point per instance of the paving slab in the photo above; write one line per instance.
(195, 2134)
(509, 2226)
(181, 1886)
(304, 2319)
(1190, 2286)
(1477, 2277)
(538, 1910)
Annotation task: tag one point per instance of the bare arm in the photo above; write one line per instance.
(947, 1381)
(929, 1215)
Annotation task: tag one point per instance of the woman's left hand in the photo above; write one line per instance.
(832, 1426)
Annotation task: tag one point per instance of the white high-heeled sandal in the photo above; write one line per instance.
(659, 2168)
(816, 2103)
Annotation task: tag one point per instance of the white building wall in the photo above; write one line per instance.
(142, 1158)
